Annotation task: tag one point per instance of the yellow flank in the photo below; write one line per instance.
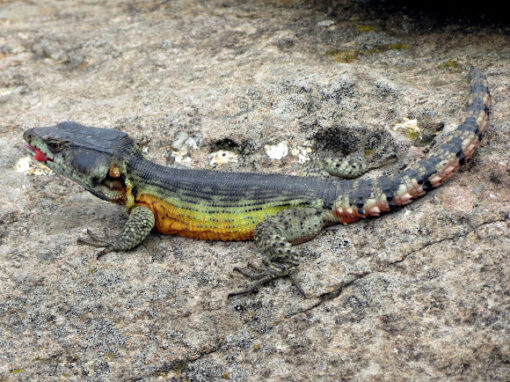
(203, 222)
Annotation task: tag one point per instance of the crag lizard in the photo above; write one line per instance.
(274, 210)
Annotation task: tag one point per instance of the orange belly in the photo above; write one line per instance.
(205, 224)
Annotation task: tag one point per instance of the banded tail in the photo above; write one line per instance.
(365, 198)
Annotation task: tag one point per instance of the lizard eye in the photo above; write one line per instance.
(55, 146)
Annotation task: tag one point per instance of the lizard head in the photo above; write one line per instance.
(90, 156)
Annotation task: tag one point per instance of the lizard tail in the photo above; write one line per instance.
(368, 197)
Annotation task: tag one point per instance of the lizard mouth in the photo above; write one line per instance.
(38, 154)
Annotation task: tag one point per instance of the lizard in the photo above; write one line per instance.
(276, 211)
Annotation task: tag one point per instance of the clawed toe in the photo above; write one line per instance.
(254, 288)
(297, 285)
(252, 271)
(263, 276)
(93, 240)
(95, 237)
(103, 252)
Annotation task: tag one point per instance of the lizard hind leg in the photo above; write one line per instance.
(275, 236)
(139, 225)
(371, 153)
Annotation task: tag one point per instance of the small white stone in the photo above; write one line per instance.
(277, 151)
(23, 164)
(325, 23)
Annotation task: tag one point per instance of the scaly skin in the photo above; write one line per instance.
(274, 210)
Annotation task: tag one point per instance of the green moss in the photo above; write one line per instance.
(110, 356)
(349, 55)
(450, 65)
(397, 46)
(412, 133)
(331, 52)
(364, 28)
(386, 47)
(225, 376)
(346, 55)
(16, 371)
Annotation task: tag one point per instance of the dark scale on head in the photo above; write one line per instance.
(95, 181)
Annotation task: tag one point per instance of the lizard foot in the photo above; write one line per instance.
(264, 275)
(95, 241)
(138, 226)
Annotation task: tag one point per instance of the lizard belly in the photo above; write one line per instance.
(200, 221)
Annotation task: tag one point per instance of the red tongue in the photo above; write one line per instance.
(40, 156)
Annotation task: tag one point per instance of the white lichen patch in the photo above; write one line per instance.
(180, 140)
(181, 147)
(325, 23)
(277, 151)
(181, 156)
(26, 164)
(408, 124)
(191, 143)
(410, 128)
(23, 164)
(221, 157)
(302, 152)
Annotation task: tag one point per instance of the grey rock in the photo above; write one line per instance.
(420, 294)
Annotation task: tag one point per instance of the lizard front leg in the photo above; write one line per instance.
(139, 225)
(275, 236)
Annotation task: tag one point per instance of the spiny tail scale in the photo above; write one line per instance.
(364, 198)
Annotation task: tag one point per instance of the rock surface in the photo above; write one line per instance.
(420, 294)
